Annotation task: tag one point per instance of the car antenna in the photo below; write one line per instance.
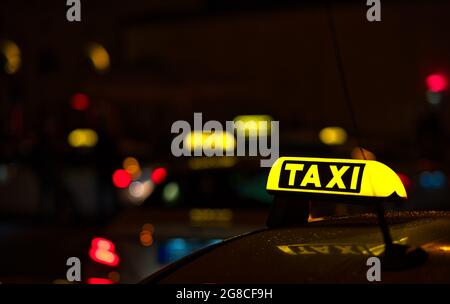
(395, 256)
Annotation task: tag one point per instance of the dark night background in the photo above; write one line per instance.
(163, 61)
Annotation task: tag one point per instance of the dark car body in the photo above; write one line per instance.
(332, 250)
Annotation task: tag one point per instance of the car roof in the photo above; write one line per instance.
(333, 250)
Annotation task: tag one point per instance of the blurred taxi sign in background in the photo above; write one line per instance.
(252, 125)
(82, 138)
(11, 53)
(210, 141)
(333, 136)
(316, 177)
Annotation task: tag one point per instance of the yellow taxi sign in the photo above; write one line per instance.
(210, 140)
(323, 177)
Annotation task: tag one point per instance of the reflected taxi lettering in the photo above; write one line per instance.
(329, 249)
(337, 248)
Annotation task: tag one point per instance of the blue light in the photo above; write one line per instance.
(177, 245)
(432, 180)
(174, 249)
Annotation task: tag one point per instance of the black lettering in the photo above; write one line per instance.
(335, 177)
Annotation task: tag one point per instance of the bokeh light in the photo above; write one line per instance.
(210, 215)
(436, 83)
(132, 166)
(252, 125)
(103, 251)
(171, 192)
(432, 179)
(79, 102)
(121, 178)
(406, 181)
(333, 136)
(136, 189)
(82, 138)
(146, 238)
(146, 235)
(140, 191)
(99, 57)
(218, 140)
(159, 175)
(149, 227)
(12, 55)
(99, 281)
(202, 163)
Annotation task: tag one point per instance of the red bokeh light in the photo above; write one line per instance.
(79, 102)
(406, 181)
(436, 83)
(103, 244)
(158, 175)
(99, 281)
(121, 178)
(103, 251)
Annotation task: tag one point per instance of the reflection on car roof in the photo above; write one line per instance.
(331, 250)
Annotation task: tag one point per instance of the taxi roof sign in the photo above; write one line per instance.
(327, 177)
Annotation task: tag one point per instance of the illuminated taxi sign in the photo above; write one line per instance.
(251, 125)
(209, 141)
(331, 176)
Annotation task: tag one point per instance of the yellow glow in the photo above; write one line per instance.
(99, 57)
(333, 136)
(325, 249)
(199, 163)
(85, 138)
(253, 124)
(286, 249)
(211, 215)
(336, 248)
(12, 54)
(365, 178)
(379, 249)
(443, 248)
(312, 219)
(132, 166)
(219, 140)
(357, 154)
